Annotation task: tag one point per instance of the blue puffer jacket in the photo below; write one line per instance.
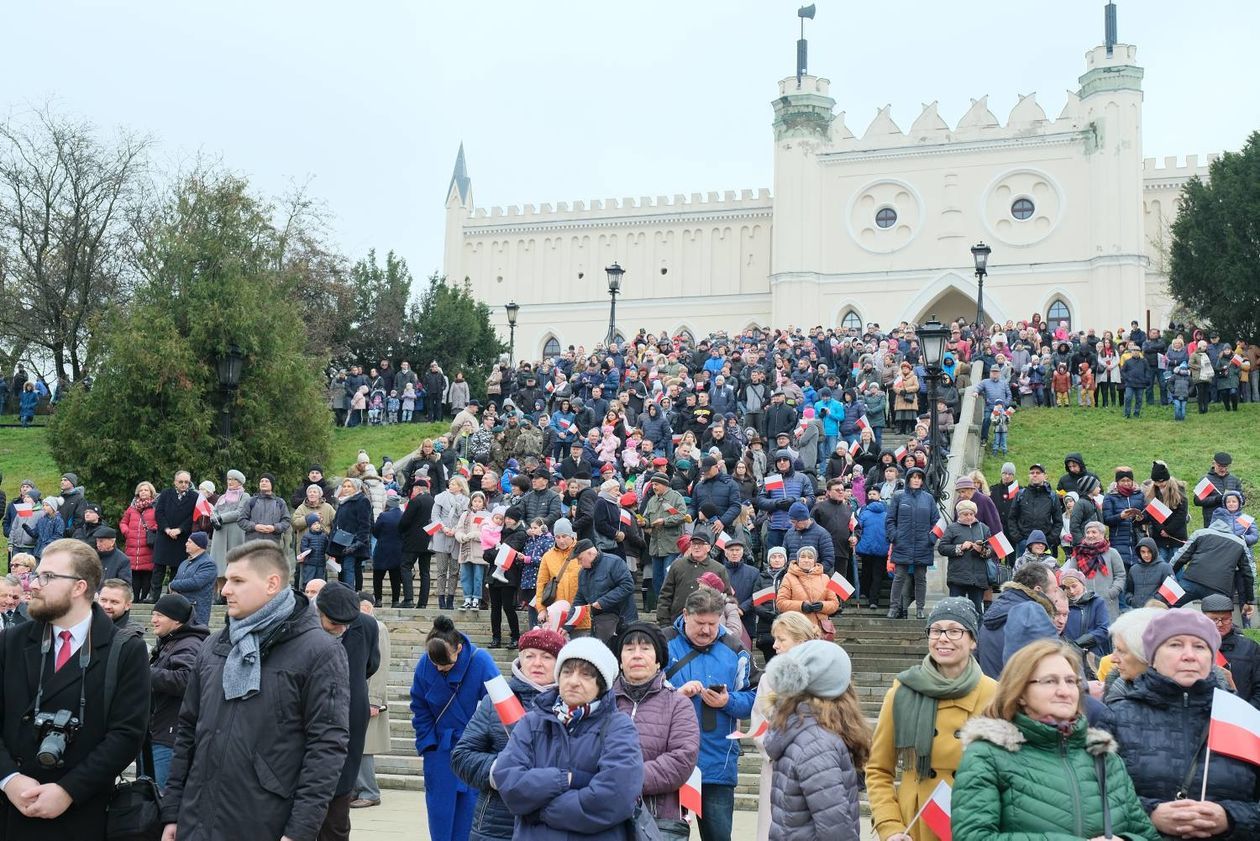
(1089, 616)
(796, 488)
(872, 520)
(911, 515)
(724, 661)
(1015, 613)
(1161, 729)
(722, 492)
(483, 740)
(815, 536)
(1119, 530)
(655, 427)
(852, 413)
(533, 774)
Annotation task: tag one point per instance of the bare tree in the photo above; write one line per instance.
(64, 235)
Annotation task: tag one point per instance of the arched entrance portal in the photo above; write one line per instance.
(949, 297)
(951, 305)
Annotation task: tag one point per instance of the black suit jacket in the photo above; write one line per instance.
(20, 617)
(98, 752)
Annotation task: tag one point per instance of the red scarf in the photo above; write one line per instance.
(1089, 558)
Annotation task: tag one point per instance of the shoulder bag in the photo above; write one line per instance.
(133, 812)
(549, 591)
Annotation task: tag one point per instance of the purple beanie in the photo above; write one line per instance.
(1176, 622)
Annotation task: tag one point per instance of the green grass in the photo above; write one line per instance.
(394, 441)
(1105, 439)
(24, 455)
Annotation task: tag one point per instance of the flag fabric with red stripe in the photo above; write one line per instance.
(1234, 729)
(897, 383)
(900, 452)
(1221, 660)
(852, 522)
(774, 482)
(626, 517)
(1204, 489)
(1246, 520)
(479, 519)
(1158, 510)
(1171, 591)
(24, 509)
(801, 427)
(506, 557)
(863, 423)
(671, 510)
(689, 794)
(763, 596)
(936, 812)
(1001, 545)
(203, 507)
(551, 387)
(676, 438)
(1236, 360)
(938, 530)
(854, 448)
(1013, 490)
(757, 731)
(565, 425)
(722, 540)
(506, 704)
(432, 528)
(840, 585)
(577, 614)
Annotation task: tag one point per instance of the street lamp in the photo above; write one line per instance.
(615, 271)
(228, 368)
(980, 253)
(511, 308)
(932, 337)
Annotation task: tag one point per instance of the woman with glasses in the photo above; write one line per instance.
(1033, 768)
(919, 722)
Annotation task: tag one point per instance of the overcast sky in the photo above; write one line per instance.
(557, 101)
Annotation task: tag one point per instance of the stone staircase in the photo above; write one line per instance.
(879, 648)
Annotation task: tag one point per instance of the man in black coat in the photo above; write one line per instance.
(178, 643)
(314, 476)
(114, 564)
(173, 512)
(288, 722)
(415, 543)
(66, 649)
(1241, 653)
(12, 611)
(834, 514)
(1036, 507)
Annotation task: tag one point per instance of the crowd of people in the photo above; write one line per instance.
(721, 500)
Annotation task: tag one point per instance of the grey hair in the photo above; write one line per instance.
(12, 581)
(1130, 626)
(807, 550)
(705, 600)
(318, 489)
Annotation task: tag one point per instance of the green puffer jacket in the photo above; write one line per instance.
(1024, 781)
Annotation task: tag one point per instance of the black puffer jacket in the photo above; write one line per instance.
(1243, 655)
(170, 664)
(970, 569)
(1219, 560)
(1162, 729)
(1036, 507)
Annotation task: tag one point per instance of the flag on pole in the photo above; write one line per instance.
(1236, 361)
(722, 540)
(1234, 728)
(1204, 489)
(626, 517)
(936, 812)
(938, 530)
(689, 794)
(863, 423)
(1246, 520)
(576, 615)
(852, 522)
(506, 704)
(1158, 510)
(203, 507)
(774, 482)
(756, 733)
(506, 557)
(899, 453)
(1171, 591)
(1001, 545)
(1012, 491)
(763, 596)
(1221, 660)
(550, 386)
(801, 427)
(854, 448)
(24, 509)
(840, 585)
(433, 528)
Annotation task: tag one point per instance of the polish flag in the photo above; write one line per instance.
(506, 704)
(900, 453)
(677, 438)
(774, 482)
(1010, 411)
(722, 540)
(479, 519)
(1204, 489)
(801, 427)
(1158, 510)
(1246, 520)
(1221, 661)
(938, 530)
(463, 471)
(863, 423)
(757, 732)
(550, 386)
(1001, 545)
(854, 448)
(897, 383)
(1234, 729)
(671, 510)
(551, 462)
(433, 528)
(626, 518)
(506, 557)
(1171, 591)
(576, 615)
(852, 522)
(840, 585)
(936, 812)
(689, 794)
(24, 509)
(203, 507)
(1013, 490)
(565, 425)
(1236, 361)
(763, 596)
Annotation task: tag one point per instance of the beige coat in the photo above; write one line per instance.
(377, 742)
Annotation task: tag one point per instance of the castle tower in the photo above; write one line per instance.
(459, 207)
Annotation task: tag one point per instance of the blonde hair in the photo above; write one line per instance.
(149, 485)
(796, 625)
(842, 716)
(1018, 671)
(459, 482)
(27, 559)
(982, 484)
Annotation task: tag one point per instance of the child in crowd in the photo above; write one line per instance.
(376, 408)
(1086, 394)
(1035, 553)
(470, 539)
(408, 402)
(392, 407)
(1025, 387)
(1037, 380)
(313, 550)
(998, 427)
(1180, 391)
(1062, 384)
(358, 403)
(1147, 574)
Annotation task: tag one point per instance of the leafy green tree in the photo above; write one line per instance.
(1215, 270)
(454, 328)
(212, 259)
(382, 327)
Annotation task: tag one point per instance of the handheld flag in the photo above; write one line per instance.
(1246, 520)
(936, 812)
(852, 522)
(576, 615)
(899, 453)
(840, 585)
(303, 554)
(565, 425)
(1236, 361)
(774, 482)
(1158, 510)
(689, 794)
(24, 509)
(676, 438)
(203, 507)
(863, 423)
(506, 704)
(854, 448)
(763, 596)
(756, 733)
(671, 510)
(1170, 591)
(801, 427)
(722, 540)
(938, 530)
(897, 383)
(550, 386)
(1234, 728)
(506, 557)
(1204, 489)
(1221, 661)
(626, 517)
(433, 528)
(1001, 545)
(1012, 491)
(479, 519)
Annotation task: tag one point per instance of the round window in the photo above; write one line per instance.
(886, 217)
(1022, 208)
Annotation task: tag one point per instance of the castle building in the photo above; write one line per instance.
(870, 228)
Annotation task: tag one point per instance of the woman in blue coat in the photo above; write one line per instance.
(387, 553)
(911, 515)
(573, 768)
(564, 430)
(448, 685)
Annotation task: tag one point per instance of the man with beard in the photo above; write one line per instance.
(49, 657)
(115, 600)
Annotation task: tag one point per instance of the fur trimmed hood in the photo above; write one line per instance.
(1008, 736)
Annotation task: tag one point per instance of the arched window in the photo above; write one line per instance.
(686, 335)
(551, 348)
(851, 320)
(1058, 312)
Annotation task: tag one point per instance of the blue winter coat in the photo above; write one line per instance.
(46, 530)
(834, 417)
(388, 551)
(1013, 619)
(655, 427)
(483, 740)
(563, 436)
(796, 488)
(911, 515)
(1089, 616)
(724, 661)
(601, 753)
(817, 537)
(872, 521)
(27, 404)
(723, 492)
(1120, 532)
(610, 583)
(431, 690)
(195, 582)
(852, 413)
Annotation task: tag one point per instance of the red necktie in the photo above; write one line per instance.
(63, 654)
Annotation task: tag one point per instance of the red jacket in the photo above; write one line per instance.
(136, 547)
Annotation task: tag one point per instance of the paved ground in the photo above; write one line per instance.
(400, 817)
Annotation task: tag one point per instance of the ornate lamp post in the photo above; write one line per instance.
(932, 338)
(228, 368)
(980, 253)
(615, 271)
(511, 308)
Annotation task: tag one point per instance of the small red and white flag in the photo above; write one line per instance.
(1246, 520)
(689, 794)
(854, 448)
(676, 438)
(1234, 728)
(433, 528)
(897, 383)
(936, 812)
(722, 540)
(1010, 411)
(626, 517)
(1158, 510)
(463, 471)
(576, 615)
(24, 509)
(763, 596)
(1013, 490)
(801, 427)
(774, 482)
(203, 507)
(938, 530)
(1221, 660)
(840, 585)
(758, 730)
(852, 522)
(506, 557)
(1236, 361)
(1170, 591)
(479, 519)
(1001, 545)
(863, 423)
(506, 704)
(565, 425)
(900, 452)
(550, 386)
(671, 510)
(1204, 489)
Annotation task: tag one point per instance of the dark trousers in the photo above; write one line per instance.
(417, 563)
(976, 594)
(159, 580)
(503, 601)
(874, 575)
(718, 804)
(337, 821)
(395, 582)
(1203, 392)
(140, 580)
(434, 409)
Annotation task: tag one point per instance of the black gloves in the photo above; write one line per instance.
(818, 606)
(1086, 641)
(784, 504)
(807, 607)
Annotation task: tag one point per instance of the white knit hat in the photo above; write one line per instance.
(592, 651)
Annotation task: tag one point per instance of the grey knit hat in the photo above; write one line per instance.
(815, 667)
(956, 609)
(237, 475)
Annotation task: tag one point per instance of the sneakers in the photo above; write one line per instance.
(361, 803)
(513, 645)
(475, 604)
(495, 643)
(467, 605)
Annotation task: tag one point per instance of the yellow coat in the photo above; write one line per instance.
(548, 568)
(892, 807)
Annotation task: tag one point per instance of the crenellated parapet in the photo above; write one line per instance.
(1170, 174)
(613, 212)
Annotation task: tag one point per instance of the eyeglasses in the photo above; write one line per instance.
(1055, 682)
(46, 578)
(1224, 620)
(954, 634)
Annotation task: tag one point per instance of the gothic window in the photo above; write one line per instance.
(551, 348)
(851, 321)
(1058, 312)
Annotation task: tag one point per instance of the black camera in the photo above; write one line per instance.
(56, 731)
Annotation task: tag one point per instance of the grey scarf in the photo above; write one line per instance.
(242, 671)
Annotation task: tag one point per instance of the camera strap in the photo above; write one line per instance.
(85, 658)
